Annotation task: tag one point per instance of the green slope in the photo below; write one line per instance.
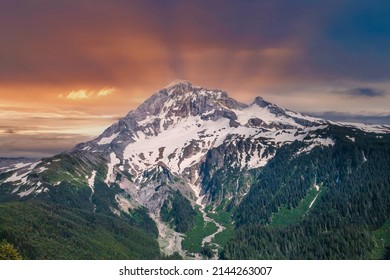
(193, 239)
(291, 216)
(44, 231)
(347, 219)
(381, 241)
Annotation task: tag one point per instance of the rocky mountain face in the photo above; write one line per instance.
(184, 139)
(183, 128)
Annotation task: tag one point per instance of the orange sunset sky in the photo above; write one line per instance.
(69, 69)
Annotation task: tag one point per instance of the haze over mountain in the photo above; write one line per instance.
(192, 161)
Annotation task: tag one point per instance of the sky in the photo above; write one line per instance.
(69, 69)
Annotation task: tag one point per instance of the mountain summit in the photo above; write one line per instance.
(188, 149)
(178, 126)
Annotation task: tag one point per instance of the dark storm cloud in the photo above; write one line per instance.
(354, 43)
(50, 49)
(119, 42)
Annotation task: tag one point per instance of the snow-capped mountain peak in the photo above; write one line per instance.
(182, 103)
(261, 102)
(177, 127)
(177, 82)
(188, 145)
(181, 128)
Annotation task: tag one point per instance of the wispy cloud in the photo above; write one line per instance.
(383, 118)
(83, 94)
(8, 131)
(38, 145)
(78, 95)
(106, 91)
(362, 92)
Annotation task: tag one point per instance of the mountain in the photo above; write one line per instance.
(9, 164)
(207, 174)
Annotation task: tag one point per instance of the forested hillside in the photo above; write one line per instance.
(348, 186)
(43, 231)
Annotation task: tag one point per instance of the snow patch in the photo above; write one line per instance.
(27, 192)
(16, 189)
(107, 140)
(41, 169)
(257, 162)
(311, 204)
(91, 184)
(34, 165)
(21, 165)
(148, 120)
(265, 114)
(304, 117)
(176, 142)
(115, 211)
(22, 177)
(317, 142)
(351, 138)
(110, 173)
(14, 167)
(374, 128)
(364, 157)
(91, 181)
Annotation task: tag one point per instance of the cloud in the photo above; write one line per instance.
(131, 42)
(362, 92)
(39, 145)
(114, 54)
(78, 95)
(348, 117)
(10, 131)
(106, 91)
(6, 130)
(83, 94)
